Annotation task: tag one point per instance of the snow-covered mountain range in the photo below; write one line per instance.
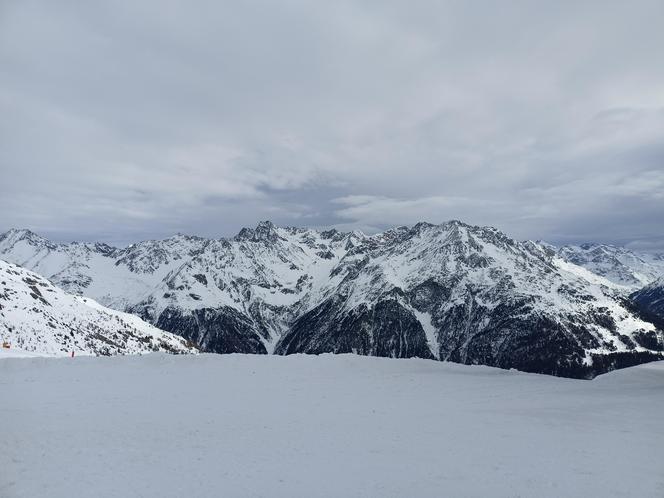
(451, 291)
(631, 269)
(39, 317)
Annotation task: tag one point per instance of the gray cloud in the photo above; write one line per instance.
(125, 120)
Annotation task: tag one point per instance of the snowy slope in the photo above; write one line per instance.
(630, 269)
(331, 426)
(452, 291)
(36, 316)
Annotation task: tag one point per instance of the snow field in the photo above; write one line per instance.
(323, 426)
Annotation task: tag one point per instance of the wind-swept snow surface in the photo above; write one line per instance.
(328, 426)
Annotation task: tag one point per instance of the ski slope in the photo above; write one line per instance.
(326, 426)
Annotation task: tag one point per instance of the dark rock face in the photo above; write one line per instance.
(264, 232)
(215, 330)
(614, 361)
(537, 345)
(650, 299)
(504, 337)
(512, 335)
(650, 340)
(387, 329)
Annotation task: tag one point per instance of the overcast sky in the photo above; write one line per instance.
(125, 120)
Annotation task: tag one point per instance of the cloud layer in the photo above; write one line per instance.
(125, 120)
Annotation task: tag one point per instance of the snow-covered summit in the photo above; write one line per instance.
(17, 237)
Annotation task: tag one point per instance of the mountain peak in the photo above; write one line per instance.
(15, 235)
(265, 224)
(20, 233)
(265, 231)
